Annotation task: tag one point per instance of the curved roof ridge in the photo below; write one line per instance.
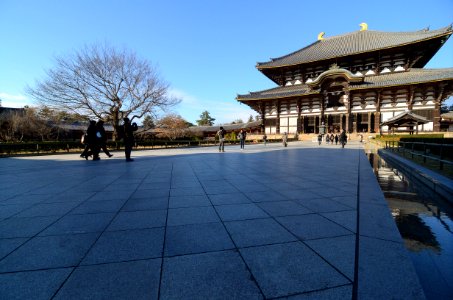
(292, 87)
(286, 55)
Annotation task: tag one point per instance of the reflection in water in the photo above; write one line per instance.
(425, 222)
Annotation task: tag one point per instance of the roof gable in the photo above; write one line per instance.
(406, 118)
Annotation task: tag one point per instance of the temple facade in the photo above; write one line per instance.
(355, 81)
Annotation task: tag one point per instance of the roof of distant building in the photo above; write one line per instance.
(447, 116)
(227, 127)
(405, 118)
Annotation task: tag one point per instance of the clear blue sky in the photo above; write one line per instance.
(206, 50)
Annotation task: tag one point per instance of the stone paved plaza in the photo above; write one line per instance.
(303, 222)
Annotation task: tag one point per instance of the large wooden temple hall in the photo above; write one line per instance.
(355, 81)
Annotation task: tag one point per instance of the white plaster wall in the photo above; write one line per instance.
(292, 121)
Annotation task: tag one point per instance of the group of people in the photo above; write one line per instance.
(331, 138)
(242, 136)
(95, 139)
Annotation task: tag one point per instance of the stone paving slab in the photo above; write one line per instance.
(192, 223)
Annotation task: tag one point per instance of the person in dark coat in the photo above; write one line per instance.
(91, 148)
(343, 138)
(242, 136)
(102, 138)
(221, 133)
(129, 138)
(319, 139)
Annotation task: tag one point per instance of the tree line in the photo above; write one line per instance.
(46, 124)
(98, 82)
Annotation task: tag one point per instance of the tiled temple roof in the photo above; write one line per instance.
(414, 76)
(353, 43)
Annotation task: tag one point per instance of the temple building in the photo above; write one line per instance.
(355, 81)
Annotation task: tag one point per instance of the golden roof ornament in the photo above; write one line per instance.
(363, 26)
(333, 66)
(321, 36)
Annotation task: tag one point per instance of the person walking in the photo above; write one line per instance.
(336, 139)
(221, 133)
(242, 136)
(265, 140)
(285, 139)
(319, 139)
(90, 142)
(343, 138)
(129, 138)
(102, 138)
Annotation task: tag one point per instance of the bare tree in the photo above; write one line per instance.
(172, 126)
(104, 83)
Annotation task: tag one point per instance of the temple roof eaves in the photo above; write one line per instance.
(411, 77)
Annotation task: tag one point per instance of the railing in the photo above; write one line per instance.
(441, 153)
(8, 149)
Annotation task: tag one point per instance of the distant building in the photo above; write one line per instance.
(11, 110)
(210, 131)
(446, 121)
(355, 81)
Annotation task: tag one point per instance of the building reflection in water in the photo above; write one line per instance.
(425, 222)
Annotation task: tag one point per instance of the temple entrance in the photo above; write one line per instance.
(335, 123)
(309, 124)
(362, 122)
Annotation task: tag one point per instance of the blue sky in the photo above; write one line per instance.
(206, 49)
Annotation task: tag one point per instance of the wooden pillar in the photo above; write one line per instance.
(369, 123)
(354, 123)
(263, 117)
(348, 104)
(377, 114)
(341, 122)
(347, 123)
(410, 98)
(436, 117)
(300, 123)
(436, 112)
(277, 130)
(323, 108)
